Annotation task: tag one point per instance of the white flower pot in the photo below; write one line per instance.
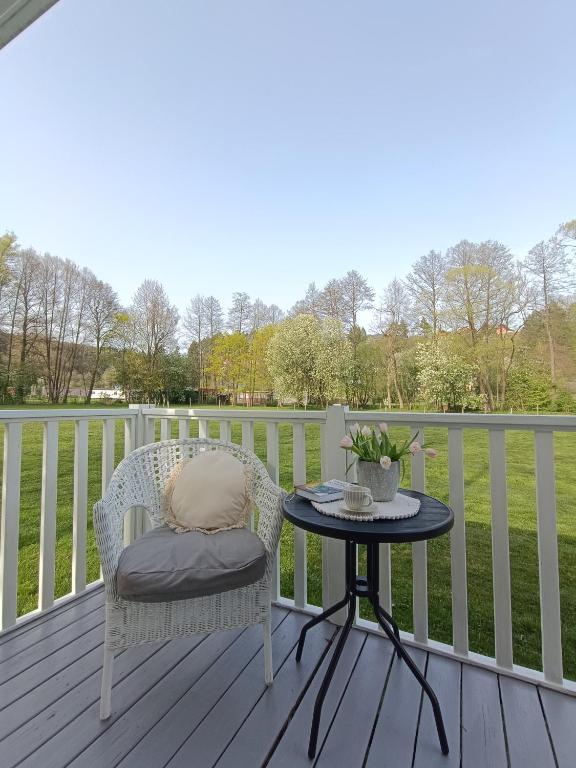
(383, 483)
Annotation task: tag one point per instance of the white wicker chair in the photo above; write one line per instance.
(139, 481)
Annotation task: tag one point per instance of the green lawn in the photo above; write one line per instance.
(522, 515)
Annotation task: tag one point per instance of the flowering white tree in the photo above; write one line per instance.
(309, 359)
(445, 379)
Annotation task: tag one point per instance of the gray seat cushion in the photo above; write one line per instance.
(162, 566)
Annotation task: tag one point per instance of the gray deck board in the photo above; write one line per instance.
(257, 736)
(526, 732)
(292, 749)
(359, 705)
(202, 702)
(444, 675)
(207, 742)
(483, 740)
(560, 712)
(396, 726)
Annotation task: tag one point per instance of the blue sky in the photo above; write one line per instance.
(219, 145)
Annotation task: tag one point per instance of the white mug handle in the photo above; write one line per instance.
(369, 501)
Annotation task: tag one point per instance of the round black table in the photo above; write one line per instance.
(433, 519)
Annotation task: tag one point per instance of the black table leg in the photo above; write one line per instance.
(391, 629)
(344, 632)
(350, 577)
(357, 586)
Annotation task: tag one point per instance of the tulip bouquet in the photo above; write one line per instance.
(374, 444)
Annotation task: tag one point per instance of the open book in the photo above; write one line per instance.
(330, 490)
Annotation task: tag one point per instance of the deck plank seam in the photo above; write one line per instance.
(48, 655)
(320, 746)
(45, 637)
(57, 698)
(461, 715)
(215, 703)
(110, 722)
(299, 699)
(503, 716)
(419, 716)
(377, 713)
(548, 731)
(48, 615)
(76, 716)
(282, 665)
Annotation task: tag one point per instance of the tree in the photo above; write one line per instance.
(155, 323)
(482, 297)
(567, 234)
(549, 268)
(331, 301)
(196, 327)
(391, 325)
(356, 296)
(424, 285)
(309, 305)
(229, 362)
(309, 360)
(445, 379)
(102, 309)
(240, 313)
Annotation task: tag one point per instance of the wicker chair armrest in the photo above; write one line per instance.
(109, 515)
(269, 499)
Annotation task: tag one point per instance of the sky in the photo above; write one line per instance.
(221, 146)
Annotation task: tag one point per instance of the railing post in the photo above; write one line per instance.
(333, 468)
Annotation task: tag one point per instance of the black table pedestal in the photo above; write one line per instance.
(360, 586)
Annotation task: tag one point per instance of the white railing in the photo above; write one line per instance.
(145, 424)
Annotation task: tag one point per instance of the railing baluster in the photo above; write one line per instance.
(225, 431)
(548, 557)
(183, 428)
(203, 429)
(10, 524)
(299, 476)
(165, 425)
(108, 440)
(458, 541)
(248, 435)
(272, 461)
(149, 430)
(419, 554)
(80, 505)
(500, 549)
(48, 516)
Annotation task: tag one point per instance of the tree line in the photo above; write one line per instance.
(472, 327)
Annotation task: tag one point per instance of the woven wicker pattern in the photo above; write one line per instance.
(139, 481)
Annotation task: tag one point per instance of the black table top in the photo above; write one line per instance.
(433, 519)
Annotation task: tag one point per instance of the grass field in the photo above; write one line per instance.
(522, 516)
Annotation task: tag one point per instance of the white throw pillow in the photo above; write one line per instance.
(210, 492)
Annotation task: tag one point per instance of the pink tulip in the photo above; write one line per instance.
(354, 429)
(346, 442)
(366, 431)
(414, 447)
(431, 453)
(383, 427)
(385, 462)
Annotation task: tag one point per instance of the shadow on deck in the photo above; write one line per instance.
(202, 702)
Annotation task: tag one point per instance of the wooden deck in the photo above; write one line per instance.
(202, 702)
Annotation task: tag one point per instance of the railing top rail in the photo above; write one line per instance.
(240, 414)
(468, 420)
(59, 414)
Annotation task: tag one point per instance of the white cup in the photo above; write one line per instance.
(357, 498)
